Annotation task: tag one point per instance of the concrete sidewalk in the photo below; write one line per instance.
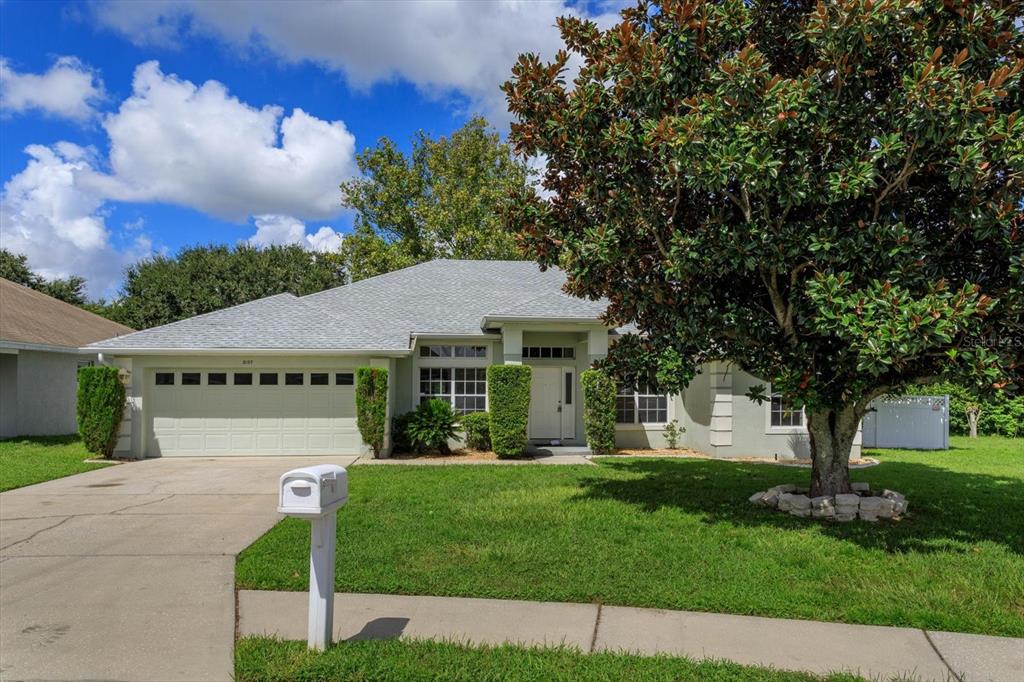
(871, 651)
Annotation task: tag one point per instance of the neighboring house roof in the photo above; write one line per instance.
(441, 297)
(31, 318)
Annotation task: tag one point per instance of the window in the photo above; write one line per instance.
(243, 378)
(435, 351)
(165, 378)
(568, 388)
(642, 406)
(445, 351)
(470, 390)
(217, 379)
(318, 378)
(784, 413)
(344, 379)
(293, 379)
(553, 352)
(85, 363)
(435, 382)
(190, 378)
(268, 378)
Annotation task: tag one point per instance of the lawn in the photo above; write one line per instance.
(28, 460)
(267, 659)
(680, 534)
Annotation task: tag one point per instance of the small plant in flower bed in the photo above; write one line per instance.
(477, 426)
(432, 425)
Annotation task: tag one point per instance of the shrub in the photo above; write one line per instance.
(101, 399)
(672, 433)
(400, 440)
(372, 406)
(477, 426)
(599, 392)
(431, 426)
(508, 393)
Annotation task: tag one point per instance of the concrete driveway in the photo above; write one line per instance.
(127, 573)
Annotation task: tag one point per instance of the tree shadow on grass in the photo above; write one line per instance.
(949, 510)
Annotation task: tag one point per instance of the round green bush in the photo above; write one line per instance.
(477, 426)
(432, 425)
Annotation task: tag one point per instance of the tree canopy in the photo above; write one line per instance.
(202, 279)
(827, 194)
(14, 267)
(443, 200)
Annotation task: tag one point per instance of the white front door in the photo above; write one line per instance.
(546, 403)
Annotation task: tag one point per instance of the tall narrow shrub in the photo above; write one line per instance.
(101, 397)
(599, 392)
(372, 406)
(508, 392)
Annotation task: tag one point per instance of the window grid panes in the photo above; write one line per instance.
(553, 352)
(344, 379)
(783, 413)
(165, 378)
(191, 379)
(448, 351)
(217, 379)
(318, 378)
(465, 388)
(643, 406)
(435, 382)
(243, 378)
(268, 378)
(293, 379)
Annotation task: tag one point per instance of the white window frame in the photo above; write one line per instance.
(770, 428)
(450, 362)
(451, 395)
(636, 423)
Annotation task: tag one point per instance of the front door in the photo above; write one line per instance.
(546, 403)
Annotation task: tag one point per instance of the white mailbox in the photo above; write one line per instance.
(313, 491)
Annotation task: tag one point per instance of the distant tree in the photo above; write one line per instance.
(442, 201)
(827, 194)
(14, 267)
(202, 279)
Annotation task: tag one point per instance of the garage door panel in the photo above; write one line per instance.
(250, 420)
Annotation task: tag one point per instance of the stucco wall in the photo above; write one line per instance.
(47, 388)
(8, 395)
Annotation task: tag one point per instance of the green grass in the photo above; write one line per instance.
(28, 460)
(268, 659)
(680, 534)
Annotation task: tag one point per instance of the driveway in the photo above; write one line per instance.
(127, 572)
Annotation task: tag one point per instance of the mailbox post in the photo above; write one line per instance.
(316, 493)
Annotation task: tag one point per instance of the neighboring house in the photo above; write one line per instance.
(40, 338)
(276, 375)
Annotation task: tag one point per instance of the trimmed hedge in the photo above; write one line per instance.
(477, 426)
(508, 392)
(599, 392)
(372, 406)
(101, 398)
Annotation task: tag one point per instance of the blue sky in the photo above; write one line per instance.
(133, 128)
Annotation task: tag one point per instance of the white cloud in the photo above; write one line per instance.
(69, 89)
(46, 215)
(175, 142)
(283, 229)
(439, 46)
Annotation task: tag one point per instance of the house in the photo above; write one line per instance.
(276, 375)
(40, 339)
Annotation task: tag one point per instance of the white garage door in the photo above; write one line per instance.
(251, 412)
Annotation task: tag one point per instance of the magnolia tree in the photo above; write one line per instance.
(826, 194)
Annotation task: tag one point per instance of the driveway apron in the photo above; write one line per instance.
(127, 572)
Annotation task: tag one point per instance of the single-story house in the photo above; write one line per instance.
(276, 376)
(40, 338)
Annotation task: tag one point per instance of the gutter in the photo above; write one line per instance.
(375, 352)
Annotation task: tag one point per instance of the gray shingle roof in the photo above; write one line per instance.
(443, 297)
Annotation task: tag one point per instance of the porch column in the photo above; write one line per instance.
(597, 344)
(512, 344)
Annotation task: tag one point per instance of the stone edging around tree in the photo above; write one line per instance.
(859, 503)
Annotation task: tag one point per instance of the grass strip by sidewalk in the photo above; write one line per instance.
(27, 460)
(680, 534)
(260, 659)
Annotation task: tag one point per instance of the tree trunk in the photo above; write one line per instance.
(832, 432)
(972, 420)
